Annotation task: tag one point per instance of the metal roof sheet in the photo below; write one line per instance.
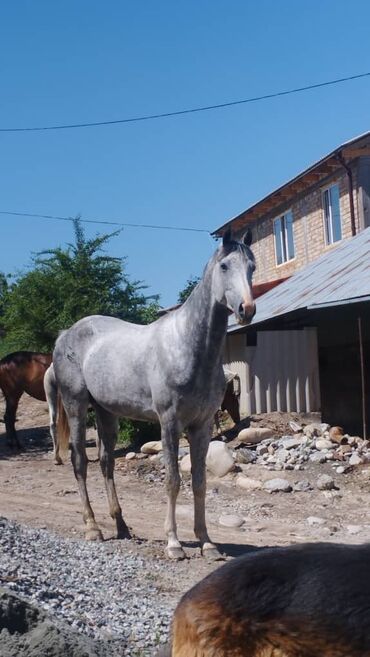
(340, 276)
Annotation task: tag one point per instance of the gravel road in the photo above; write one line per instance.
(103, 590)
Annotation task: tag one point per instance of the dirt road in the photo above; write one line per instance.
(36, 492)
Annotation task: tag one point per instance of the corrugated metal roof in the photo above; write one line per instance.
(341, 276)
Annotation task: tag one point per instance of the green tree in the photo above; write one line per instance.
(66, 284)
(3, 298)
(189, 287)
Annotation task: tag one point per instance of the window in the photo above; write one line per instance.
(284, 243)
(333, 228)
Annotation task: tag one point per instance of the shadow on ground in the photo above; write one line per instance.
(33, 441)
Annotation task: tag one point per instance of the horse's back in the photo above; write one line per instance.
(108, 358)
(23, 371)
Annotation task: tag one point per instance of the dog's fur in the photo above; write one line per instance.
(309, 600)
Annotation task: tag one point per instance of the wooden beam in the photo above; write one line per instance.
(356, 152)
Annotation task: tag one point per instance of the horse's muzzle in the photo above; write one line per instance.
(246, 312)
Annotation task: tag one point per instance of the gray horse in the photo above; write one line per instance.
(169, 371)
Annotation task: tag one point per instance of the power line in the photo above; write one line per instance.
(104, 221)
(192, 110)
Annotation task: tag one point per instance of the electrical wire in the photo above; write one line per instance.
(104, 221)
(192, 110)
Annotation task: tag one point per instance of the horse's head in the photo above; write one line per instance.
(233, 277)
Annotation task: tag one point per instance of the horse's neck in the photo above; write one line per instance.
(204, 322)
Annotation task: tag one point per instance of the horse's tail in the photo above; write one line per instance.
(63, 427)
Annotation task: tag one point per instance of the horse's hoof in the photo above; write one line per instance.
(212, 554)
(94, 535)
(124, 534)
(58, 461)
(175, 553)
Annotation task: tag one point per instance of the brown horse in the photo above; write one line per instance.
(22, 371)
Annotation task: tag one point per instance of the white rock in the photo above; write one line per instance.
(277, 485)
(313, 429)
(356, 459)
(325, 482)
(247, 483)
(219, 460)
(254, 435)
(152, 447)
(230, 520)
(322, 443)
(185, 464)
(130, 456)
(315, 520)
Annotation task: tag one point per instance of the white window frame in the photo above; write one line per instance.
(283, 235)
(328, 220)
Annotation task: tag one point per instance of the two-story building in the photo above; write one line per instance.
(293, 358)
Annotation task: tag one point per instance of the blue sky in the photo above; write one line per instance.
(83, 61)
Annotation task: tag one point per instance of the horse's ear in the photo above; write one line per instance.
(247, 238)
(226, 238)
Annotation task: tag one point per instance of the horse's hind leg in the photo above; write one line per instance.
(12, 402)
(76, 410)
(51, 391)
(107, 431)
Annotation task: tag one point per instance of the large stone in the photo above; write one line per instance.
(219, 460)
(323, 443)
(317, 457)
(290, 443)
(356, 459)
(254, 435)
(152, 447)
(230, 520)
(248, 483)
(277, 486)
(325, 482)
(185, 464)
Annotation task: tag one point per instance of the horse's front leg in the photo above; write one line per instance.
(199, 437)
(10, 418)
(170, 443)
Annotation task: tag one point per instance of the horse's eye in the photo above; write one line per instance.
(223, 266)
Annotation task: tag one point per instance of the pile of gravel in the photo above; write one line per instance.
(102, 590)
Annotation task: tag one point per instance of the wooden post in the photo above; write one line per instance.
(363, 389)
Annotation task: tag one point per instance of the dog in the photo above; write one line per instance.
(309, 600)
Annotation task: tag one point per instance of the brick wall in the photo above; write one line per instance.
(308, 229)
